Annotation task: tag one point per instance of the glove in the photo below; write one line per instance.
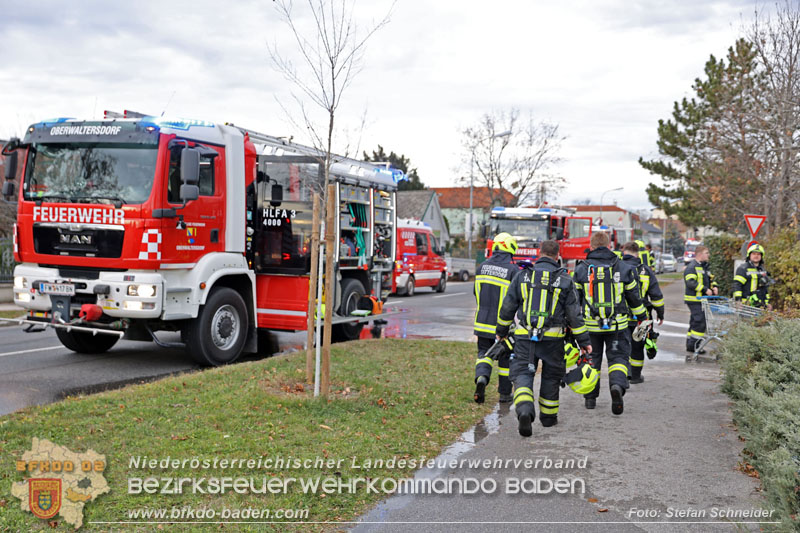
(660, 313)
(502, 331)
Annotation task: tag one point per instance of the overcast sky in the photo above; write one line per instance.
(604, 70)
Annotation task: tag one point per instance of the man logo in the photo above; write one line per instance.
(44, 497)
(66, 238)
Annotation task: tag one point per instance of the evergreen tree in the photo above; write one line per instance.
(711, 148)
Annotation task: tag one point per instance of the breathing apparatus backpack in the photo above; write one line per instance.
(601, 296)
(541, 290)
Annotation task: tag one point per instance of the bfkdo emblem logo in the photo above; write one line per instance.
(45, 497)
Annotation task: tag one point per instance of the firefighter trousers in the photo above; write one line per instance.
(483, 366)
(617, 347)
(526, 359)
(637, 354)
(697, 325)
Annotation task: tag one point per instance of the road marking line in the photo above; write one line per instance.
(32, 350)
(676, 324)
(451, 294)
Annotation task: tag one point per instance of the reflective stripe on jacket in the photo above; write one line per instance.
(745, 283)
(491, 284)
(697, 279)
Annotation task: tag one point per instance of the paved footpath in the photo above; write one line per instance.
(674, 450)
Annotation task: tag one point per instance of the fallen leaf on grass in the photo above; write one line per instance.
(323, 426)
(178, 437)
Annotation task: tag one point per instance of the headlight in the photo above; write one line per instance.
(19, 282)
(143, 291)
(22, 297)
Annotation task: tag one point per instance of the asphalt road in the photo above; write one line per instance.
(36, 369)
(674, 450)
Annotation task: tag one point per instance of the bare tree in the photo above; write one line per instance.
(520, 162)
(331, 52)
(776, 41)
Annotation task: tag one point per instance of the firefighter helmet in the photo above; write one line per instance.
(504, 242)
(642, 246)
(571, 354)
(755, 248)
(582, 379)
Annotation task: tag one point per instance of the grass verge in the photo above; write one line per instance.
(762, 377)
(12, 314)
(392, 398)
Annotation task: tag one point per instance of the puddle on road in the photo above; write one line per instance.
(467, 441)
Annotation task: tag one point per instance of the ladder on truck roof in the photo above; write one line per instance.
(343, 165)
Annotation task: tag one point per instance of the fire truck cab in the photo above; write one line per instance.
(530, 226)
(128, 226)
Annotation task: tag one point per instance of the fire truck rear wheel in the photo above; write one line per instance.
(352, 291)
(411, 286)
(83, 342)
(218, 334)
(442, 284)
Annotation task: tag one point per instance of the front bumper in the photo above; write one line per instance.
(109, 291)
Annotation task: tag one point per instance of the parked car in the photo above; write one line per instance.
(666, 263)
(420, 260)
(460, 268)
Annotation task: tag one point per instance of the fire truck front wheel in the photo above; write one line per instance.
(84, 342)
(218, 334)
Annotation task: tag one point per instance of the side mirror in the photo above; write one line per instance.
(485, 231)
(277, 195)
(9, 190)
(189, 193)
(190, 167)
(11, 166)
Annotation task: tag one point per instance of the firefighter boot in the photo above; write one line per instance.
(525, 417)
(480, 389)
(505, 398)
(590, 403)
(616, 399)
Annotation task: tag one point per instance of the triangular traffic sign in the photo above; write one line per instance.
(754, 223)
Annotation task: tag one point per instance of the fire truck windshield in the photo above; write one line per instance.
(522, 229)
(86, 172)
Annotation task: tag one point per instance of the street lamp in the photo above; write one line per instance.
(472, 179)
(601, 201)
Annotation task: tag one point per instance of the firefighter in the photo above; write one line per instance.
(609, 291)
(652, 299)
(751, 282)
(698, 282)
(491, 283)
(543, 298)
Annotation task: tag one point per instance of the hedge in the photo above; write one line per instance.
(762, 376)
(723, 250)
(782, 260)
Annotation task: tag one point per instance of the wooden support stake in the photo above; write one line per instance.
(331, 212)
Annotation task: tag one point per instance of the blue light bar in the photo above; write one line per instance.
(179, 124)
(55, 120)
(498, 209)
(396, 174)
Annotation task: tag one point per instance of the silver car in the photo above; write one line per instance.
(665, 263)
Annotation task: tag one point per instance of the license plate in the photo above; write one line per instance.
(60, 289)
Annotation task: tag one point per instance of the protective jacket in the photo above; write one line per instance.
(615, 307)
(697, 279)
(650, 292)
(549, 310)
(751, 284)
(491, 283)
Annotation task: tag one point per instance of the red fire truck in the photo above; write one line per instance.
(136, 224)
(530, 226)
(420, 261)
